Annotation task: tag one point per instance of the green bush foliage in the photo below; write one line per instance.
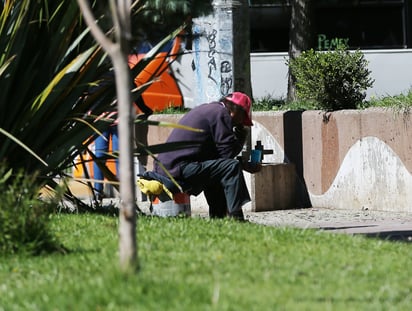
(24, 217)
(272, 104)
(267, 103)
(335, 79)
(401, 102)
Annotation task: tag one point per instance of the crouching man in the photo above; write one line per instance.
(211, 167)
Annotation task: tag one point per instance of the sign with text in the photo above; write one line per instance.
(325, 43)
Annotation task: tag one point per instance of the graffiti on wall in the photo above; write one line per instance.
(226, 76)
(225, 68)
(213, 56)
(211, 40)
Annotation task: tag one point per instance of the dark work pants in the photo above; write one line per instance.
(222, 182)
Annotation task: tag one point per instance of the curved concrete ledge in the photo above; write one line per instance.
(372, 177)
(349, 159)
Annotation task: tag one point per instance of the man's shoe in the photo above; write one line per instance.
(238, 215)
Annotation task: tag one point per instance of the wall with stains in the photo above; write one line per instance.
(349, 159)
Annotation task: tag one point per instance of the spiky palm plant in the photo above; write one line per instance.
(48, 61)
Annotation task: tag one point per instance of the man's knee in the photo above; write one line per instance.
(233, 165)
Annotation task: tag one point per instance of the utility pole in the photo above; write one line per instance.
(221, 59)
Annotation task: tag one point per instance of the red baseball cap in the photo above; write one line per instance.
(243, 101)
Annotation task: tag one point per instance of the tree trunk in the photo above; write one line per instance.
(118, 52)
(127, 211)
(300, 36)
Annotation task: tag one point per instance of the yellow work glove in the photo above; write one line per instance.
(152, 187)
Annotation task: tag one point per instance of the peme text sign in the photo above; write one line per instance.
(325, 43)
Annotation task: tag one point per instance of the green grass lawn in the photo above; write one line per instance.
(199, 264)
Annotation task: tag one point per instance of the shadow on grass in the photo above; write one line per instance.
(398, 236)
(387, 235)
(107, 209)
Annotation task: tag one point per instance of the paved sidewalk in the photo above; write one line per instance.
(383, 224)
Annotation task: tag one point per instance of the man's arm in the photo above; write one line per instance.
(241, 133)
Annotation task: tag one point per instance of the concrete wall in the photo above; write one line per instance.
(348, 159)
